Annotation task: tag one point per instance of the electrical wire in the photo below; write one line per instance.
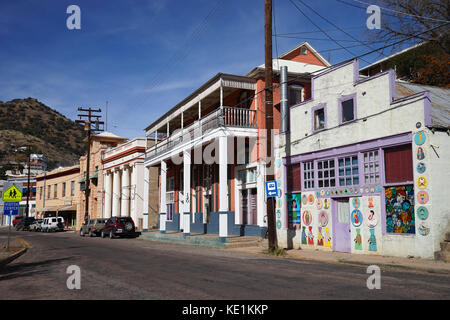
(400, 12)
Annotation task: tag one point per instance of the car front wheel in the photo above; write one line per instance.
(103, 234)
(111, 236)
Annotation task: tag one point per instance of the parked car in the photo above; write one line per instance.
(93, 227)
(52, 224)
(24, 224)
(16, 220)
(36, 225)
(119, 227)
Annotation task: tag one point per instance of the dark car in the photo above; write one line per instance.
(17, 220)
(119, 227)
(92, 227)
(24, 224)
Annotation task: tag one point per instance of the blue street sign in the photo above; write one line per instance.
(271, 189)
(10, 208)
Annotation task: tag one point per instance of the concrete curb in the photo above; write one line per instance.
(5, 261)
(178, 239)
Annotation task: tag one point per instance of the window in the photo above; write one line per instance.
(73, 188)
(40, 193)
(319, 117)
(326, 176)
(348, 171)
(308, 175)
(55, 195)
(64, 189)
(398, 164)
(347, 108)
(49, 192)
(303, 50)
(371, 168)
(295, 93)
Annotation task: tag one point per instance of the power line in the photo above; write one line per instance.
(307, 32)
(325, 33)
(400, 12)
(334, 25)
(363, 8)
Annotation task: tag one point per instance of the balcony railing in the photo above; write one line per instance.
(222, 117)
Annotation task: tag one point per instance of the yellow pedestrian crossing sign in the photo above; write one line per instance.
(12, 194)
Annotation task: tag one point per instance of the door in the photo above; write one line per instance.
(244, 206)
(252, 207)
(341, 225)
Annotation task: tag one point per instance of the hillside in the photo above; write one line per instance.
(30, 122)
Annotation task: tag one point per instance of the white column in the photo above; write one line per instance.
(223, 187)
(108, 191)
(163, 208)
(145, 193)
(125, 187)
(187, 191)
(116, 194)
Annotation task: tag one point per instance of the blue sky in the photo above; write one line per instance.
(145, 56)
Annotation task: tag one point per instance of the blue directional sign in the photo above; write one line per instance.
(271, 189)
(10, 208)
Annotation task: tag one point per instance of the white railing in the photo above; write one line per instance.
(225, 117)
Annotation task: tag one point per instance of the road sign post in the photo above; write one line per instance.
(11, 198)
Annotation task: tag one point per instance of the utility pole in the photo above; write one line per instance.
(28, 182)
(89, 121)
(270, 209)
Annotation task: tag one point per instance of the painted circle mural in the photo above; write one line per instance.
(420, 138)
(420, 154)
(318, 203)
(304, 199)
(357, 218)
(422, 213)
(421, 167)
(378, 189)
(278, 224)
(311, 199)
(278, 163)
(422, 182)
(307, 218)
(422, 197)
(356, 202)
(371, 219)
(323, 218)
(322, 192)
(278, 214)
(326, 203)
(424, 229)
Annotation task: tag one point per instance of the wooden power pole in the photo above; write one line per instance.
(270, 205)
(88, 122)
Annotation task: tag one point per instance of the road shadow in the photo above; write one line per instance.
(27, 269)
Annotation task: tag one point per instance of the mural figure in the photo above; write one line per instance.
(422, 197)
(400, 216)
(303, 235)
(420, 154)
(422, 182)
(310, 236)
(372, 240)
(372, 220)
(356, 218)
(294, 204)
(327, 238)
(422, 213)
(358, 240)
(320, 237)
(420, 138)
(421, 167)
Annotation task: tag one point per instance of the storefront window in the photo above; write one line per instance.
(371, 168)
(348, 171)
(326, 173)
(308, 175)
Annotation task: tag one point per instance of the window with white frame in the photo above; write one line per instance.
(295, 94)
(326, 175)
(348, 171)
(371, 167)
(308, 175)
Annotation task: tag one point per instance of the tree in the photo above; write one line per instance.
(402, 19)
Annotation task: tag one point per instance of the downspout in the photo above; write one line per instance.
(283, 99)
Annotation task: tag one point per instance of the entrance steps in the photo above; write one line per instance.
(444, 254)
(245, 241)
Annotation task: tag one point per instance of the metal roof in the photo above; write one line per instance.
(440, 101)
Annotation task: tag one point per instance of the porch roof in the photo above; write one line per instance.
(207, 90)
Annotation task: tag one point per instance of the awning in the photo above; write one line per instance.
(94, 176)
(72, 207)
(82, 180)
(46, 209)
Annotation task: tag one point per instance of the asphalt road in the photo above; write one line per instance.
(141, 269)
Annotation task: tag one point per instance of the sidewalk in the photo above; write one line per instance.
(412, 264)
(17, 247)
